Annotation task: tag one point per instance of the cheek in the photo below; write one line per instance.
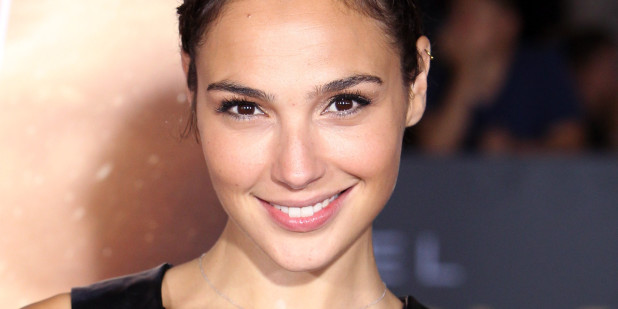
(235, 159)
(371, 151)
(373, 158)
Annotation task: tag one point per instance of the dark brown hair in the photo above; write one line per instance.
(400, 19)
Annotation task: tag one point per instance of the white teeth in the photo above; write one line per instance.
(307, 211)
(317, 207)
(294, 212)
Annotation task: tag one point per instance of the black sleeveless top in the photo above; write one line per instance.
(143, 291)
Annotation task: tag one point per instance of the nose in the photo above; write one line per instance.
(298, 162)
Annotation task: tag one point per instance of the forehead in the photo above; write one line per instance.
(321, 38)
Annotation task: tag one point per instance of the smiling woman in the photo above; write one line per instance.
(300, 108)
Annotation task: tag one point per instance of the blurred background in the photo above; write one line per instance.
(507, 191)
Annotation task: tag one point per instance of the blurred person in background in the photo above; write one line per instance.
(593, 58)
(502, 95)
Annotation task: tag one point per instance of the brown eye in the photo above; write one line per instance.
(240, 108)
(246, 109)
(343, 104)
(346, 104)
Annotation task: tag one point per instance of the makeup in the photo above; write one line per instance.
(306, 218)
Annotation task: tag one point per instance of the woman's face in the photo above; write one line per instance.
(301, 110)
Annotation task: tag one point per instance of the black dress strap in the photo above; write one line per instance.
(137, 291)
(410, 303)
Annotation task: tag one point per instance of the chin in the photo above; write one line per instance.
(303, 259)
(303, 265)
(312, 254)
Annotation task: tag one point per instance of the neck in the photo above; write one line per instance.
(238, 268)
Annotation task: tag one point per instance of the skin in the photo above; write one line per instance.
(57, 302)
(298, 149)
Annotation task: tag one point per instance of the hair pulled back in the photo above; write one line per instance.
(399, 18)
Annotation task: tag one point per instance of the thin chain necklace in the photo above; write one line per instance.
(222, 295)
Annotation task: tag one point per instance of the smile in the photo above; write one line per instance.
(307, 211)
(305, 218)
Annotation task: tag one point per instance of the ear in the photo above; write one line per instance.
(418, 88)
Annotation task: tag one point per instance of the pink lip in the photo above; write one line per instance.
(306, 224)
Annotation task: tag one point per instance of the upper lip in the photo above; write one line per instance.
(303, 202)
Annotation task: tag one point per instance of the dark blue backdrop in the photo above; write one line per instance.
(503, 232)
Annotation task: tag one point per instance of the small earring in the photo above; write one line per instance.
(429, 54)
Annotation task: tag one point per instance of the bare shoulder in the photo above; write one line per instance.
(62, 301)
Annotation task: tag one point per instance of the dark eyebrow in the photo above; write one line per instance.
(334, 86)
(241, 90)
(348, 82)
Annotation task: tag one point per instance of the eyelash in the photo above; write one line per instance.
(356, 97)
(360, 100)
(228, 104)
